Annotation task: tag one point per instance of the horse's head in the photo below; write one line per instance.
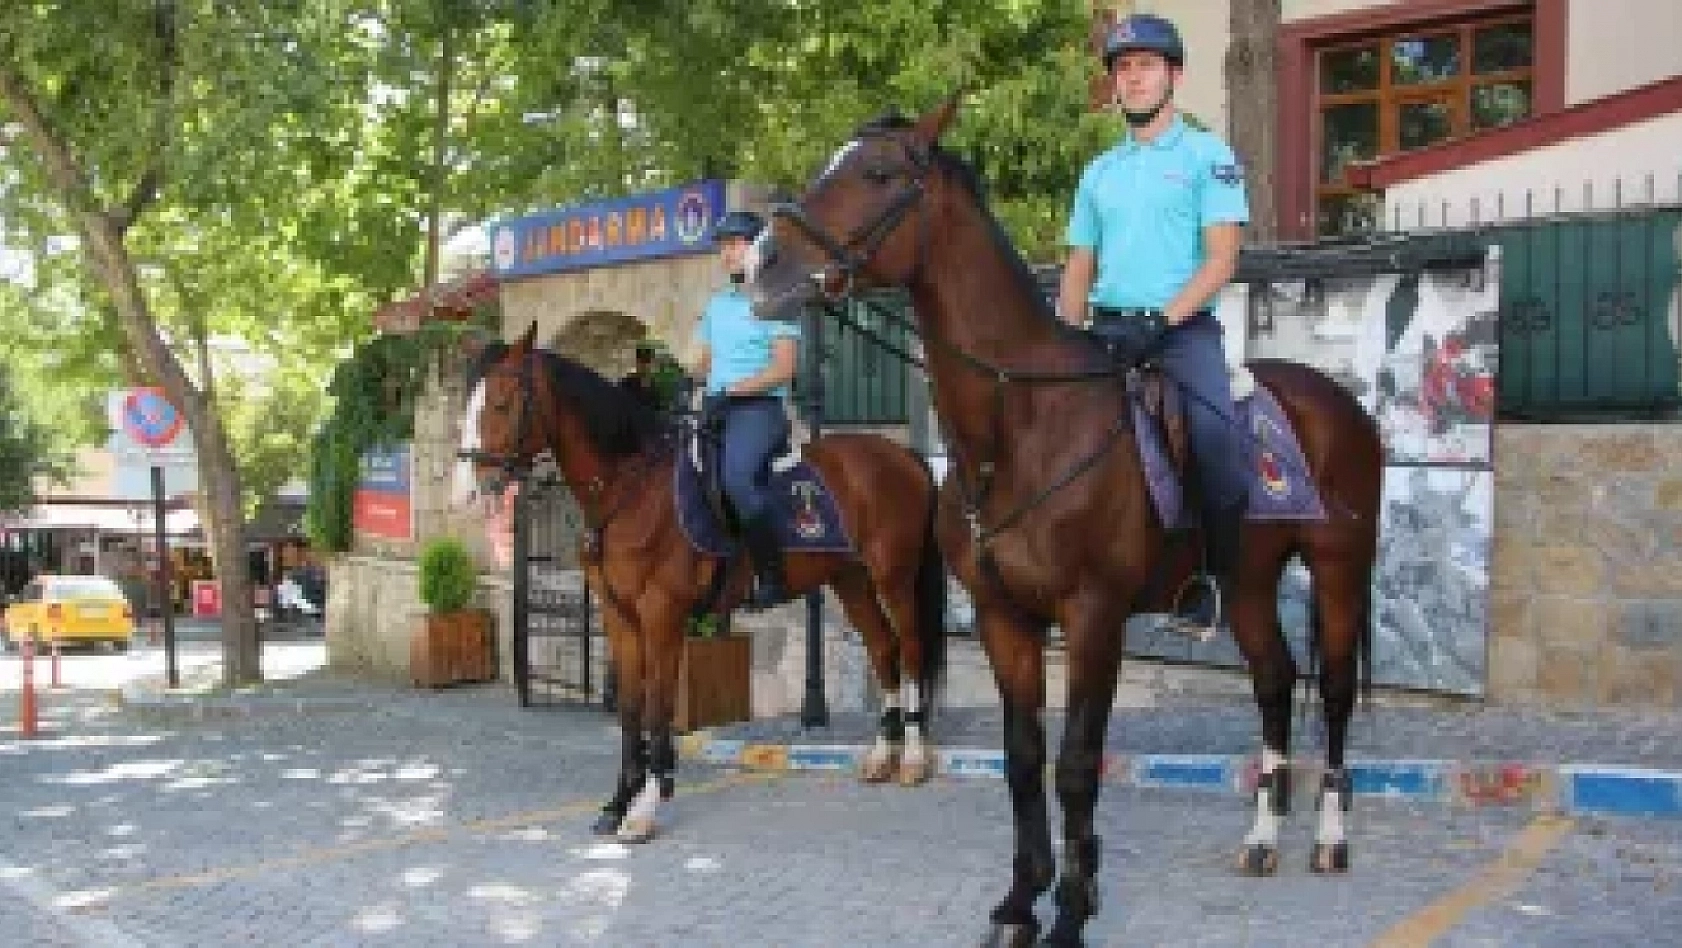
(499, 439)
(864, 221)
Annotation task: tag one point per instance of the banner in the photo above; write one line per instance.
(381, 506)
(673, 222)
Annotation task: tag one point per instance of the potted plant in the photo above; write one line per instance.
(453, 641)
(715, 677)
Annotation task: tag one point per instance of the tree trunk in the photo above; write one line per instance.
(440, 155)
(1252, 66)
(102, 233)
(218, 473)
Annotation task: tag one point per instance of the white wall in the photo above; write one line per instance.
(1644, 159)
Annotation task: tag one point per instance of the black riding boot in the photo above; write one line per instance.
(766, 554)
(1203, 608)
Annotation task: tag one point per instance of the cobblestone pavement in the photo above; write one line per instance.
(453, 818)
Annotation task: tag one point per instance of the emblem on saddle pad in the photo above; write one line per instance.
(807, 521)
(1272, 473)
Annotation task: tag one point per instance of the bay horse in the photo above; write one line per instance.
(617, 456)
(1046, 515)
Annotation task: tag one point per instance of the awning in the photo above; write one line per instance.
(103, 518)
(455, 300)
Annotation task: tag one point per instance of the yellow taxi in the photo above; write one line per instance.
(70, 609)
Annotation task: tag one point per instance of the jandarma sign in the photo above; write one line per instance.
(673, 222)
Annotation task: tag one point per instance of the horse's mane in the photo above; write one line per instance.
(616, 422)
(965, 174)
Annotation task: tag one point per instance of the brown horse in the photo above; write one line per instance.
(1046, 516)
(616, 454)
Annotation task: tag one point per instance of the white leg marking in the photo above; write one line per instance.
(882, 752)
(1265, 831)
(1331, 828)
(915, 751)
(644, 811)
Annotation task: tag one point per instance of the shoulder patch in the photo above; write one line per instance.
(1227, 173)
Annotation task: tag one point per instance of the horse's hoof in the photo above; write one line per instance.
(914, 773)
(1329, 858)
(878, 769)
(1258, 859)
(1011, 936)
(636, 831)
(606, 824)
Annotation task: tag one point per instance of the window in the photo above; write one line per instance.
(1408, 90)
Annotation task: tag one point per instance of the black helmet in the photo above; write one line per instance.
(1143, 32)
(743, 224)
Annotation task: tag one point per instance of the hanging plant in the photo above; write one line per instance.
(374, 394)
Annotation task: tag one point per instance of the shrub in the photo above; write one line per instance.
(447, 575)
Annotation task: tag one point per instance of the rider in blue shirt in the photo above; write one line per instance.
(1153, 237)
(748, 364)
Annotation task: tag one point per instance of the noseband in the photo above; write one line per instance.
(512, 465)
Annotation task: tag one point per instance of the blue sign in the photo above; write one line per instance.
(669, 223)
(386, 470)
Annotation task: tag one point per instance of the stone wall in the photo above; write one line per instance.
(1587, 573)
(373, 608)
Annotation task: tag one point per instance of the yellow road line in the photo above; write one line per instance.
(324, 854)
(1498, 879)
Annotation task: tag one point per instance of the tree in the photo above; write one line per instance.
(131, 121)
(1252, 65)
(27, 451)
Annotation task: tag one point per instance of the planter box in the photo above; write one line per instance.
(452, 647)
(714, 682)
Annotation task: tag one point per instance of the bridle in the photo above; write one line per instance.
(518, 467)
(851, 254)
(848, 256)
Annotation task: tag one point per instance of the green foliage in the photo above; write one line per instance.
(374, 394)
(26, 451)
(447, 575)
(708, 626)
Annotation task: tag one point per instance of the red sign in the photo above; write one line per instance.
(207, 598)
(381, 514)
(150, 418)
(381, 506)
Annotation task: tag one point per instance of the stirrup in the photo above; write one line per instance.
(1193, 627)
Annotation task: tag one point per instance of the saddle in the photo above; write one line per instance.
(704, 444)
(806, 515)
(1280, 488)
(1156, 398)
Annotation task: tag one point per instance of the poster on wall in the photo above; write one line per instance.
(1431, 595)
(381, 506)
(1429, 360)
(1420, 351)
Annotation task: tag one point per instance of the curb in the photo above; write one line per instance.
(1572, 789)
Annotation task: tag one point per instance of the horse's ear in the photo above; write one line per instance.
(934, 123)
(523, 345)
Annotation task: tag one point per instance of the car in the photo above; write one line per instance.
(68, 609)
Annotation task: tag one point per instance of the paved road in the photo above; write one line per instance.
(453, 818)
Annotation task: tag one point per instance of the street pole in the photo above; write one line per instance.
(814, 710)
(163, 577)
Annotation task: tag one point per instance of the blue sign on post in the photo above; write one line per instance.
(669, 223)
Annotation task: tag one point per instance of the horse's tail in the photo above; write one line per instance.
(931, 588)
(1363, 653)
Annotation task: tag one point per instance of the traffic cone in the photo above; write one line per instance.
(27, 710)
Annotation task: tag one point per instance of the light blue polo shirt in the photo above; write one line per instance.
(740, 342)
(1142, 208)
